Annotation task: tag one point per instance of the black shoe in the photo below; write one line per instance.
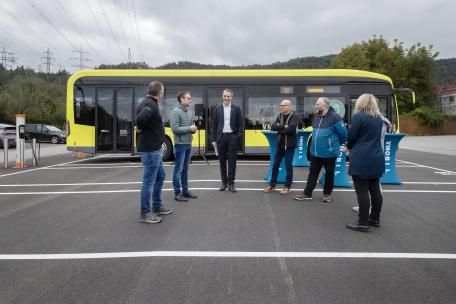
(232, 188)
(375, 223)
(223, 187)
(358, 227)
(180, 198)
(189, 195)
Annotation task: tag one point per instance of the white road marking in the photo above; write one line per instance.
(423, 166)
(47, 167)
(229, 254)
(190, 181)
(137, 166)
(212, 189)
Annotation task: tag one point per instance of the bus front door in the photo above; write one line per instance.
(215, 98)
(114, 125)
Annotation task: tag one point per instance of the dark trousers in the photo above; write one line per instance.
(316, 163)
(227, 150)
(288, 154)
(368, 193)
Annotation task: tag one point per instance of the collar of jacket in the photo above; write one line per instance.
(152, 98)
(327, 113)
(181, 106)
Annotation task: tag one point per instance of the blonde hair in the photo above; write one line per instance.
(367, 103)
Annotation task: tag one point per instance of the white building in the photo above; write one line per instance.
(446, 101)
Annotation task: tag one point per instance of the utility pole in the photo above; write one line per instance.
(81, 59)
(129, 58)
(47, 61)
(7, 59)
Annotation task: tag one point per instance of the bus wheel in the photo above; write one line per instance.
(167, 149)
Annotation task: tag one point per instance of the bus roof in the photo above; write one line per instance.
(230, 73)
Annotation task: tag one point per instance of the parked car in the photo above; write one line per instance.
(45, 133)
(8, 131)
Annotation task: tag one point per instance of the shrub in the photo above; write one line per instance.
(426, 115)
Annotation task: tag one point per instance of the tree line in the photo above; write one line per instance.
(43, 96)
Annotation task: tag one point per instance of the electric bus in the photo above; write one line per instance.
(101, 103)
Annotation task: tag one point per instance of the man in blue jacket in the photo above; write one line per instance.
(328, 134)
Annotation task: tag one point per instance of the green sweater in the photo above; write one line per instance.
(180, 122)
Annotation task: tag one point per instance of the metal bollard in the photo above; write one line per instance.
(22, 153)
(34, 152)
(5, 151)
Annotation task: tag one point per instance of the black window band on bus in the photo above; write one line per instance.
(84, 105)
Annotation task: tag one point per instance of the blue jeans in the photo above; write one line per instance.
(288, 154)
(153, 178)
(182, 155)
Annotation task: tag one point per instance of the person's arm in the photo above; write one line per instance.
(292, 125)
(214, 126)
(277, 126)
(143, 117)
(174, 123)
(353, 131)
(341, 132)
(240, 122)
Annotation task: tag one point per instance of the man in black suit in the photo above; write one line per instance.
(227, 124)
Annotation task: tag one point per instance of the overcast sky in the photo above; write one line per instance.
(230, 32)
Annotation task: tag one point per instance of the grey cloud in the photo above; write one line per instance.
(225, 32)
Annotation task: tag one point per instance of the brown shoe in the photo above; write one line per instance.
(302, 197)
(326, 198)
(269, 189)
(285, 191)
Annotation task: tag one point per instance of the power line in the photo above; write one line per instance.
(137, 28)
(121, 24)
(61, 10)
(43, 15)
(132, 29)
(110, 28)
(99, 27)
(37, 36)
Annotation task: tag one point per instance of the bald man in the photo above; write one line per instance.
(285, 125)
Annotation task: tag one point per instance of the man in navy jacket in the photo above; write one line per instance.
(328, 134)
(227, 124)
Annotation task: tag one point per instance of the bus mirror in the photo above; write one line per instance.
(406, 90)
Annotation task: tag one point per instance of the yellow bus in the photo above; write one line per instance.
(101, 103)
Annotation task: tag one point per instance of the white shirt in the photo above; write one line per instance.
(226, 119)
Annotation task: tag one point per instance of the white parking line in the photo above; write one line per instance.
(230, 254)
(262, 181)
(423, 166)
(47, 167)
(213, 189)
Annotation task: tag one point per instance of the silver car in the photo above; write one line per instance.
(9, 132)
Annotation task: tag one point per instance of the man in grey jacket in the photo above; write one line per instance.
(183, 128)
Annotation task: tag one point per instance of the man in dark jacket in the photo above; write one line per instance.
(328, 134)
(285, 125)
(227, 124)
(150, 135)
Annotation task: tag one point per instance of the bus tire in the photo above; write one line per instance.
(167, 149)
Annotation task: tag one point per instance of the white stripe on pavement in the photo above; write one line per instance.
(229, 254)
(215, 189)
(190, 181)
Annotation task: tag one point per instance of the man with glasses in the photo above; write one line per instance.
(285, 124)
(183, 127)
(227, 124)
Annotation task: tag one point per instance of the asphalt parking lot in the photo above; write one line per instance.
(70, 234)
